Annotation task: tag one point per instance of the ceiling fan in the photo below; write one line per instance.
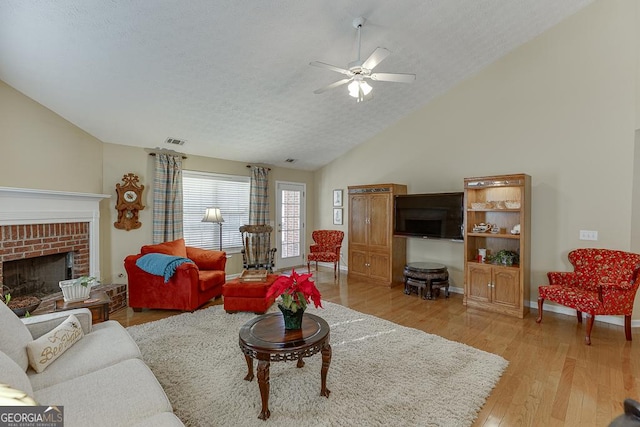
(359, 72)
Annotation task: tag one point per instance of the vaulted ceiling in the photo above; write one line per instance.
(232, 77)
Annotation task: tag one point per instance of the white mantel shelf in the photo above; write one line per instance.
(21, 206)
(32, 192)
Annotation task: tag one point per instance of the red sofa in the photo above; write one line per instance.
(192, 285)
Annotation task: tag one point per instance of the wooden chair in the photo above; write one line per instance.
(604, 282)
(326, 248)
(257, 253)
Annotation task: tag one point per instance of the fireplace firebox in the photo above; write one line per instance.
(37, 276)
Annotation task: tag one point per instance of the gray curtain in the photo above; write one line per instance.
(167, 198)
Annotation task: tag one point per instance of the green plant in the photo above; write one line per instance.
(504, 257)
(6, 298)
(86, 280)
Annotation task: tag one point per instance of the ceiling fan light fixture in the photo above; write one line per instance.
(359, 88)
(359, 70)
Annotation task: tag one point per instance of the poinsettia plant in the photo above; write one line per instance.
(295, 291)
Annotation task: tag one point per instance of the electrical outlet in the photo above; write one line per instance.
(588, 235)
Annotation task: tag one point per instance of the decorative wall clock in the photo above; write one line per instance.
(129, 202)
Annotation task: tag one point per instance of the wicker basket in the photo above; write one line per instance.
(73, 290)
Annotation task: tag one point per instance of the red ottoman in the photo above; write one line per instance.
(247, 296)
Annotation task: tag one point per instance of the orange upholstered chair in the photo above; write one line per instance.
(194, 282)
(326, 248)
(604, 282)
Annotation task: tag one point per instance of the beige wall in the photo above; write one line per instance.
(560, 108)
(42, 150)
(119, 160)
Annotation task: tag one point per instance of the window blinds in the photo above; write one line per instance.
(229, 193)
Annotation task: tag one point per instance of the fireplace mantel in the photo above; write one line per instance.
(21, 206)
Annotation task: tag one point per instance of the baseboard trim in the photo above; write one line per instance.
(550, 307)
(612, 320)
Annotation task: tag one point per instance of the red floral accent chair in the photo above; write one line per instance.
(603, 283)
(326, 248)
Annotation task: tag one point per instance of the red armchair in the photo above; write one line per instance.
(603, 283)
(192, 285)
(326, 248)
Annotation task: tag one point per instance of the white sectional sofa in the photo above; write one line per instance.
(100, 380)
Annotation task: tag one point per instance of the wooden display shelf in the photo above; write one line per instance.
(496, 287)
(494, 210)
(495, 235)
(494, 265)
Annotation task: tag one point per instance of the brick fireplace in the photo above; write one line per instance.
(36, 223)
(36, 243)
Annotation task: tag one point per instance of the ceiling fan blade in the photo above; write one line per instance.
(375, 58)
(332, 85)
(331, 67)
(393, 77)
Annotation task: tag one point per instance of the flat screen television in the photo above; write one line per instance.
(430, 216)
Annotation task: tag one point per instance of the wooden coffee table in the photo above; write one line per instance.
(264, 338)
(97, 303)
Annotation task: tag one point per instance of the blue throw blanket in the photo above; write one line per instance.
(160, 264)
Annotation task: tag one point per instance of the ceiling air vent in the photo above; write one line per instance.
(290, 160)
(175, 141)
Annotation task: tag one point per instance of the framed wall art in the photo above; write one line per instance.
(337, 216)
(337, 198)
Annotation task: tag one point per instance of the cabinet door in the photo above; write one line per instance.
(358, 220)
(479, 282)
(379, 266)
(358, 262)
(506, 287)
(379, 221)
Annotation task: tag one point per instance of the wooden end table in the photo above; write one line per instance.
(426, 276)
(97, 303)
(264, 338)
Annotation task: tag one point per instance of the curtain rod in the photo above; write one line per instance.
(173, 154)
(249, 166)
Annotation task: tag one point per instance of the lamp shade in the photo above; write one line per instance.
(212, 215)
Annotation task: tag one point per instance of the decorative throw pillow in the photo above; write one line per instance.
(14, 337)
(12, 397)
(43, 351)
(13, 375)
(175, 248)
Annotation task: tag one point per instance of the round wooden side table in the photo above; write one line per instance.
(424, 276)
(264, 338)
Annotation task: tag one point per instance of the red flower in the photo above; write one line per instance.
(296, 291)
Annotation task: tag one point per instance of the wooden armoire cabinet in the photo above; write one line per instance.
(375, 254)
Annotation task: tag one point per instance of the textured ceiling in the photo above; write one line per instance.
(232, 77)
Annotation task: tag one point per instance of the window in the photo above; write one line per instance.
(203, 190)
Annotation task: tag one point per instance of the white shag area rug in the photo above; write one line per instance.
(381, 374)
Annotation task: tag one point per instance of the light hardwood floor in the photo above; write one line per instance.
(553, 379)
